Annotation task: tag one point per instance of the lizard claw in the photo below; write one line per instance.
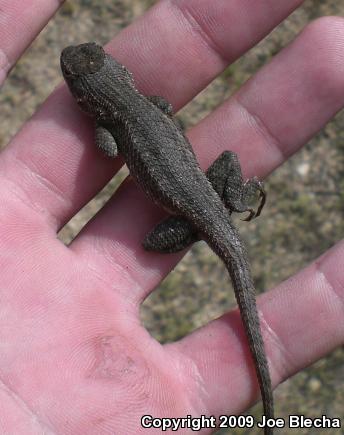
(252, 214)
(262, 197)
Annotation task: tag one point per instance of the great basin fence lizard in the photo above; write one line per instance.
(161, 160)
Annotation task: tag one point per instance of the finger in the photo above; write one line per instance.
(302, 320)
(203, 38)
(317, 87)
(284, 105)
(28, 16)
(55, 150)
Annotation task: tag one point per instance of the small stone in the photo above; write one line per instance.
(314, 385)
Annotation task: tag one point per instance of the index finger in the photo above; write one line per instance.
(28, 16)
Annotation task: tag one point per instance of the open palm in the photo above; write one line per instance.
(74, 357)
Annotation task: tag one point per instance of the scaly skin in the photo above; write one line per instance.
(161, 160)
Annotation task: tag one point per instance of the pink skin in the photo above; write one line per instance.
(74, 358)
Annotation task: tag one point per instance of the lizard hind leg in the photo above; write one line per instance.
(173, 234)
(226, 177)
(250, 188)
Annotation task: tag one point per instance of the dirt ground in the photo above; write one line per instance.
(303, 216)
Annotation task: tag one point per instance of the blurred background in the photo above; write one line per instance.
(303, 216)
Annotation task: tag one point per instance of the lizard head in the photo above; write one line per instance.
(81, 60)
(86, 69)
(78, 64)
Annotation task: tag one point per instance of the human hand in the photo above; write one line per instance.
(74, 357)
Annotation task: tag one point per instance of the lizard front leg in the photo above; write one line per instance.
(175, 233)
(166, 107)
(105, 141)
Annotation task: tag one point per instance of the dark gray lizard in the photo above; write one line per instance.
(161, 160)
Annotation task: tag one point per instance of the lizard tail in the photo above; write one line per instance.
(230, 249)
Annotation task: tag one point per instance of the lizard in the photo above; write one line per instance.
(161, 160)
